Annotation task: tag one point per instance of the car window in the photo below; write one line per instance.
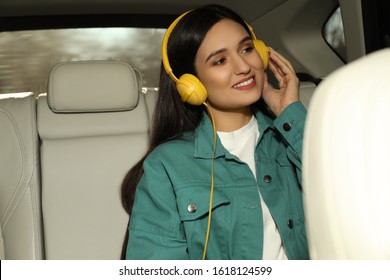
(28, 56)
(376, 23)
(334, 34)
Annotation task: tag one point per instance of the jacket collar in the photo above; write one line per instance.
(204, 136)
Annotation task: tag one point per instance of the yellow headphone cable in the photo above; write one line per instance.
(212, 181)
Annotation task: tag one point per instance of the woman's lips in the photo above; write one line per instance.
(245, 84)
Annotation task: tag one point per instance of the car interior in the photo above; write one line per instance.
(74, 118)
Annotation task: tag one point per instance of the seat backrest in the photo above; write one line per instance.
(20, 204)
(93, 126)
(346, 162)
(306, 91)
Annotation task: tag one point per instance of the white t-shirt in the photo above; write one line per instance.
(242, 143)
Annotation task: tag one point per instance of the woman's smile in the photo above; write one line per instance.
(245, 84)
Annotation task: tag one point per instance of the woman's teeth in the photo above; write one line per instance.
(245, 83)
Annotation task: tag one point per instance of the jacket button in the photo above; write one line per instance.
(191, 208)
(287, 127)
(267, 179)
(290, 223)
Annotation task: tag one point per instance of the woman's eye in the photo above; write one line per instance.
(219, 61)
(248, 49)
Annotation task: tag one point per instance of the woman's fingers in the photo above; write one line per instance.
(288, 92)
(282, 69)
(281, 61)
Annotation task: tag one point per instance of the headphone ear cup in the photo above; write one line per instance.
(191, 90)
(263, 51)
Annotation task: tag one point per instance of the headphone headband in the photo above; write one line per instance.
(164, 48)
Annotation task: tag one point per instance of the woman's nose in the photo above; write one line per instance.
(241, 66)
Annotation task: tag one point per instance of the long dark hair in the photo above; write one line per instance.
(172, 117)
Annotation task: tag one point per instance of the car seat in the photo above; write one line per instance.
(346, 162)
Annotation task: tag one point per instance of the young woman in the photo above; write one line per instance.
(235, 194)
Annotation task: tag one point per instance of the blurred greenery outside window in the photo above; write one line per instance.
(28, 56)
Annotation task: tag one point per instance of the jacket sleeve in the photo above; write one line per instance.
(291, 124)
(155, 230)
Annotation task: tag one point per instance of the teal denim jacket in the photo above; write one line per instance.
(170, 213)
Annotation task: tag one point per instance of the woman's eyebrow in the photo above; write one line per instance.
(214, 53)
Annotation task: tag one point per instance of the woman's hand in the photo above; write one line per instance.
(288, 92)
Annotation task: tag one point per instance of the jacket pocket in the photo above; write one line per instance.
(194, 202)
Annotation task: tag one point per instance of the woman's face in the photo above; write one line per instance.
(229, 67)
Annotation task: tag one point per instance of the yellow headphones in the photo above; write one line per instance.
(190, 88)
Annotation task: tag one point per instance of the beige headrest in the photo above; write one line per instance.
(92, 86)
